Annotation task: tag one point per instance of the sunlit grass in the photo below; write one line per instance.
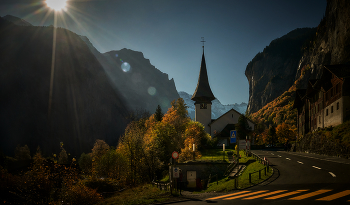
(226, 184)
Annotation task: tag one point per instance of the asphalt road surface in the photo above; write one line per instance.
(299, 178)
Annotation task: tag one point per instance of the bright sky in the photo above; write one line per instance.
(168, 32)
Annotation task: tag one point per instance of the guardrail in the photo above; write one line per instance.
(263, 161)
(250, 174)
(162, 185)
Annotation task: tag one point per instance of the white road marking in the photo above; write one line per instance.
(279, 156)
(272, 153)
(288, 158)
(300, 155)
(333, 175)
(300, 162)
(316, 167)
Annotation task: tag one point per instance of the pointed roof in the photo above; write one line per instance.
(203, 92)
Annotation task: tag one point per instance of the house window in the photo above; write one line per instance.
(326, 112)
(337, 105)
(332, 109)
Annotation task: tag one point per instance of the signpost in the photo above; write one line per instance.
(233, 134)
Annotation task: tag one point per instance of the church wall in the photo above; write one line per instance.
(203, 116)
(218, 125)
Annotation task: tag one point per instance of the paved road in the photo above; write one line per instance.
(299, 178)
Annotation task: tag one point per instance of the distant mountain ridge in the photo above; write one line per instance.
(217, 109)
(93, 93)
(143, 86)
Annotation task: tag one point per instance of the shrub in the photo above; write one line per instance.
(80, 194)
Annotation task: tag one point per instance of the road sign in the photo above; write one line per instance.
(233, 134)
(176, 172)
(175, 155)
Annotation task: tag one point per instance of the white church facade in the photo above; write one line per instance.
(203, 97)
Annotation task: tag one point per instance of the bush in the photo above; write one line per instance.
(102, 184)
(81, 194)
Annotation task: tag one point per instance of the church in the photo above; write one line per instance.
(203, 96)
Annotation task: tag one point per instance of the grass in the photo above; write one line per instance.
(144, 194)
(215, 154)
(226, 184)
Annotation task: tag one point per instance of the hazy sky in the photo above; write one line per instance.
(168, 32)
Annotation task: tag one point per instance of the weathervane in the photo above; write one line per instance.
(203, 41)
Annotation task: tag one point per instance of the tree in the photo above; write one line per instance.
(63, 157)
(158, 114)
(22, 153)
(285, 133)
(242, 127)
(272, 135)
(85, 163)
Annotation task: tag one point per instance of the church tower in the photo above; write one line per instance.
(203, 97)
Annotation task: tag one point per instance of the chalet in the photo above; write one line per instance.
(203, 97)
(326, 101)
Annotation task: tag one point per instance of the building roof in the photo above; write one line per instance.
(212, 121)
(203, 92)
(340, 70)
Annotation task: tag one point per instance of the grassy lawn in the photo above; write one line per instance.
(144, 194)
(227, 184)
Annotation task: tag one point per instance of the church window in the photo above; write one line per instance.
(232, 115)
(203, 105)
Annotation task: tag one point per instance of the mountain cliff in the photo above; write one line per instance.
(142, 85)
(273, 71)
(217, 109)
(329, 44)
(92, 96)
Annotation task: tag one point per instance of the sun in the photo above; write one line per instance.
(56, 5)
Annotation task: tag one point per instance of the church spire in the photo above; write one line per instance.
(203, 92)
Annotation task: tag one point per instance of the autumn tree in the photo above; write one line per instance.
(285, 132)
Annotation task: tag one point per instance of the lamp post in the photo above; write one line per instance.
(194, 149)
(223, 151)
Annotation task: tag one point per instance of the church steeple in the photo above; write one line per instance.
(203, 92)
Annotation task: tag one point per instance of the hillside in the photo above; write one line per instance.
(136, 78)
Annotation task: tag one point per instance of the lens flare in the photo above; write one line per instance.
(152, 91)
(126, 67)
(56, 5)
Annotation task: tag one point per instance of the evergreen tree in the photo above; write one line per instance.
(242, 127)
(158, 114)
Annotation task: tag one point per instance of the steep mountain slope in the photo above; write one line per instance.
(330, 44)
(85, 106)
(217, 109)
(141, 84)
(272, 71)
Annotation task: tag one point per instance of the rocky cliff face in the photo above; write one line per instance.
(272, 71)
(330, 44)
(217, 109)
(270, 74)
(142, 85)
